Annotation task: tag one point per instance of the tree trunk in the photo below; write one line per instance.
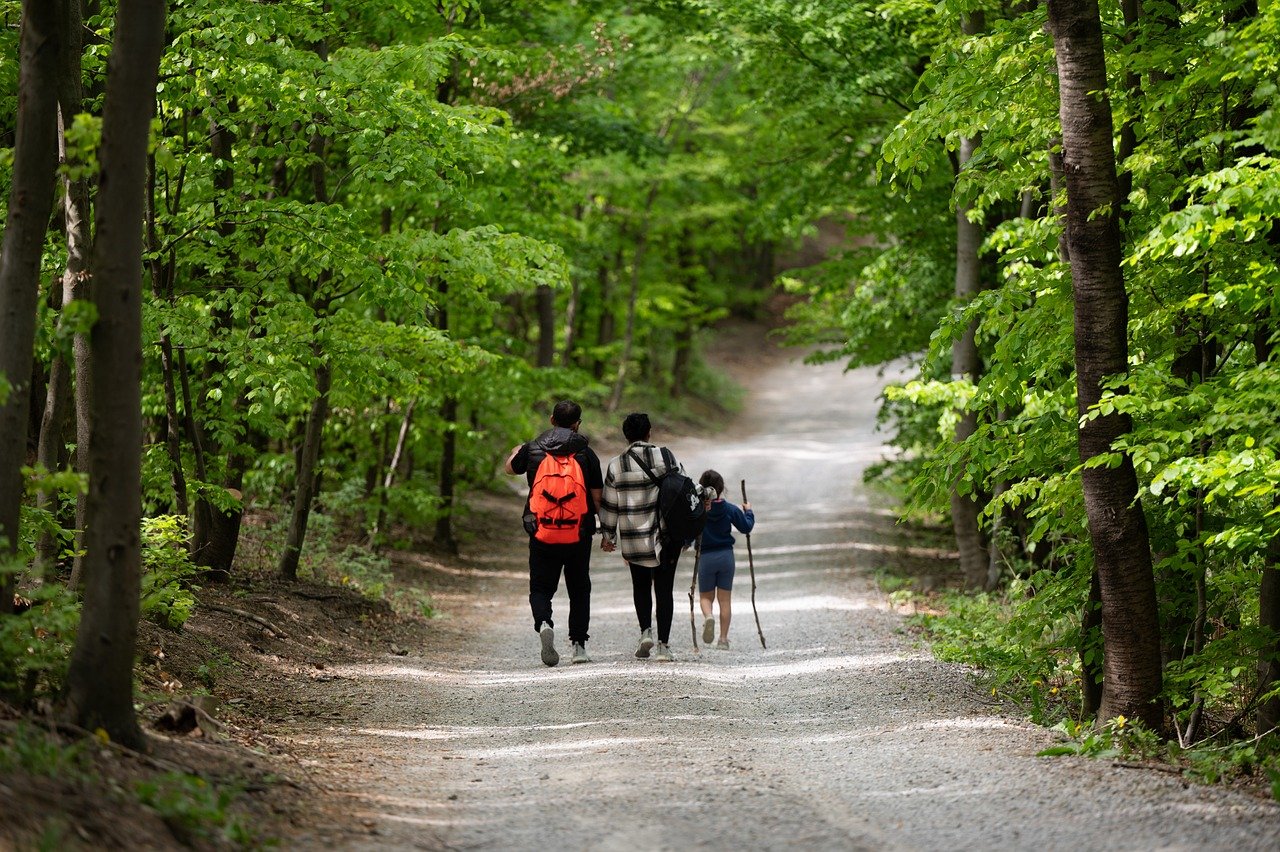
(966, 364)
(305, 489)
(100, 677)
(546, 326)
(570, 323)
(605, 330)
(448, 474)
(1117, 526)
(49, 453)
(682, 359)
(162, 286)
(35, 160)
(1269, 587)
(75, 214)
(214, 532)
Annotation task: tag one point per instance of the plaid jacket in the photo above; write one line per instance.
(629, 506)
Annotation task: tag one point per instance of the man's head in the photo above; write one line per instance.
(567, 414)
(636, 427)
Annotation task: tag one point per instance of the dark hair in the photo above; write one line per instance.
(566, 413)
(713, 479)
(636, 427)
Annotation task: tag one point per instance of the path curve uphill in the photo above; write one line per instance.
(843, 734)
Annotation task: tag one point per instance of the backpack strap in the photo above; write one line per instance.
(645, 466)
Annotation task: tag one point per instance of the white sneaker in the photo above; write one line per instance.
(646, 642)
(708, 630)
(548, 636)
(580, 653)
(663, 654)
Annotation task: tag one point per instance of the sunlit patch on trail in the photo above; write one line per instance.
(689, 668)
(602, 745)
(455, 732)
(818, 602)
(922, 552)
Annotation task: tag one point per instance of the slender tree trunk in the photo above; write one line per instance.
(605, 330)
(1269, 587)
(215, 533)
(448, 474)
(392, 465)
(1117, 525)
(100, 677)
(162, 286)
(305, 489)
(966, 364)
(49, 453)
(570, 323)
(546, 298)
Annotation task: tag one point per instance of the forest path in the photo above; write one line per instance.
(844, 734)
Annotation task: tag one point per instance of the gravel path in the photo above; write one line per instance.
(844, 734)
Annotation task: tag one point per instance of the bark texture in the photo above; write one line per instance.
(1117, 526)
(100, 677)
(35, 160)
(305, 489)
(966, 364)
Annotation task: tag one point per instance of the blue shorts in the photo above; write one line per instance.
(715, 570)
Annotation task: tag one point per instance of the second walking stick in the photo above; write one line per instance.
(752, 565)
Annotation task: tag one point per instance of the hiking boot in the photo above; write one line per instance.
(646, 642)
(723, 644)
(663, 654)
(708, 630)
(548, 636)
(580, 653)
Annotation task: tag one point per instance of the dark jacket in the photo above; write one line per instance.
(559, 441)
(717, 535)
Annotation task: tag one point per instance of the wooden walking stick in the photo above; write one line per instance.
(697, 554)
(752, 565)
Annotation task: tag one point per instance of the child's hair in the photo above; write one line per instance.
(714, 480)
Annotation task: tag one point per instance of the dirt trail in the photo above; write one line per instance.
(842, 735)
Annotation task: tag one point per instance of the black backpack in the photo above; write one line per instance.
(681, 512)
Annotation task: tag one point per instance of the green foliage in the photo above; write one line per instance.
(1118, 737)
(35, 644)
(31, 749)
(196, 810)
(167, 571)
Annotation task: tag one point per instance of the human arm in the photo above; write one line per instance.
(517, 461)
(744, 519)
(608, 506)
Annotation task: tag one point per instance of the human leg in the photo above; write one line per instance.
(641, 590)
(664, 581)
(577, 582)
(724, 598)
(544, 578)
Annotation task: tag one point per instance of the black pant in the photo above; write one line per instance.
(545, 564)
(662, 580)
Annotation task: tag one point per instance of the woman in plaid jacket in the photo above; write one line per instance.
(629, 517)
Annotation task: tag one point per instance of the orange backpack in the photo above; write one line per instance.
(558, 500)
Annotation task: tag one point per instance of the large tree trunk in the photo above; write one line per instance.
(35, 160)
(966, 364)
(100, 677)
(75, 214)
(305, 488)
(1117, 526)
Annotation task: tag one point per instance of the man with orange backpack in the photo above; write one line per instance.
(560, 517)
